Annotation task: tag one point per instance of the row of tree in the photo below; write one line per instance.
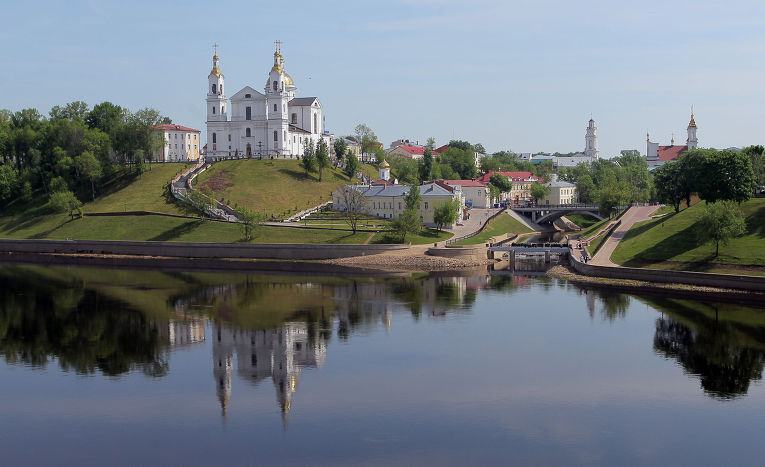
(75, 145)
(713, 175)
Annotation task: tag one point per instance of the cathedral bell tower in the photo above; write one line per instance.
(692, 142)
(279, 90)
(216, 97)
(591, 141)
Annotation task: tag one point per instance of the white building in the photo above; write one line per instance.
(179, 143)
(560, 193)
(275, 123)
(591, 141)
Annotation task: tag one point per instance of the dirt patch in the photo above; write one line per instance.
(218, 182)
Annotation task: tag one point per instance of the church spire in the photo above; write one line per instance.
(692, 142)
(216, 63)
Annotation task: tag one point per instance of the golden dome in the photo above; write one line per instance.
(288, 80)
(216, 71)
(693, 122)
(385, 165)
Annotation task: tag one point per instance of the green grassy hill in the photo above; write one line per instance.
(498, 226)
(672, 242)
(279, 188)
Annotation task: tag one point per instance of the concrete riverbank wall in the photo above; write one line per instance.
(284, 251)
(726, 281)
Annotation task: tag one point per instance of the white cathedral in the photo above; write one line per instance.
(274, 123)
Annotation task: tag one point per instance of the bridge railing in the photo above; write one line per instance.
(555, 206)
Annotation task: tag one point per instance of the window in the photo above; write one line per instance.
(247, 96)
(214, 139)
(294, 118)
(213, 88)
(284, 108)
(426, 205)
(285, 136)
(315, 126)
(248, 133)
(276, 136)
(223, 108)
(213, 110)
(275, 85)
(248, 113)
(229, 136)
(274, 107)
(221, 88)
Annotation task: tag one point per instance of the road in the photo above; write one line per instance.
(633, 215)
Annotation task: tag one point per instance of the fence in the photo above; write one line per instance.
(483, 226)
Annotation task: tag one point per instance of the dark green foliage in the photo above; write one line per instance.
(446, 214)
(501, 182)
(720, 222)
(340, 148)
(407, 223)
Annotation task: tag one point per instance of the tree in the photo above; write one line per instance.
(249, 220)
(544, 170)
(309, 160)
(479, 148)
(322, 156)
(502, 183)
(9, 182)
(340, 148)
(200, 202)
(585, 189)
(431, 143)
(88, 167)
(408, 222)
(413, 198)
(539, 191)
(757, 156)
(667, 180)
(611, 196)
(351, 165)
(65, 201)
(355, 204)
(447, 213)
(727, 175)
(720, 222)
(426, 166)
(365, 137)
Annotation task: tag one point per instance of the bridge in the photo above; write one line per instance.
(536, 250)
(548, 213)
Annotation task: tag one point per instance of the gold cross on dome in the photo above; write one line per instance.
(215, 47)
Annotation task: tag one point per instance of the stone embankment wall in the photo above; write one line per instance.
(726, 281)
(286, 251)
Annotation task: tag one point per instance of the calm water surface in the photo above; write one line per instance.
(135, 367)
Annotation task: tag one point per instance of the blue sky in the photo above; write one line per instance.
(524, 76)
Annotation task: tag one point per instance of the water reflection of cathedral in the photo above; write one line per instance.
(279, 354)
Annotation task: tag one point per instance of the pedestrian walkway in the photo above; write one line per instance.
(633, 215)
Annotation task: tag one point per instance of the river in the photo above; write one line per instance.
(104, 366)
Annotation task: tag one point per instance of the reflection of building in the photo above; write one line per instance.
(279, 354)
(185, 332)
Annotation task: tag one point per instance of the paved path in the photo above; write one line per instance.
(633, 215)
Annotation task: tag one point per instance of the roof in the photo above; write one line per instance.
(560, 184)
(433, 189)
(466, 183)
(670, 153)
(441, 149)
(302, 101)
(171, 127)
(419, 150)
(295, 129)
(515, 176)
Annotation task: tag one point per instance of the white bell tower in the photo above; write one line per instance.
(216, 97)
(692, 142)
(591, 141)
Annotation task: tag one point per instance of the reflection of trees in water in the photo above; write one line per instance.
(610, 305)
(84, 330)
(712, 351)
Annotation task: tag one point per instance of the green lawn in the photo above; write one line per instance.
(145, 193)
(423, 237)
(593, 229)
(500, 225)
(279, 188)
(671, 242)
(160, 228)
(592, 248)
(582, 221)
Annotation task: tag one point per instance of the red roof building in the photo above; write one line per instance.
(181, 143)
(411, 152)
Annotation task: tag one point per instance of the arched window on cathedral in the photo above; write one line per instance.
(248, 133)
(274, 107)
(315, 126)
(214, 139)
(223, 108)
(276, 135)
(285, 136)
(275, 85)
(247, 96)
(294, 118)
(248, 113)
(213, 89)
(213, 110)
(221, 89)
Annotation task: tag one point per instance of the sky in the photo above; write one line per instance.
(520, 76)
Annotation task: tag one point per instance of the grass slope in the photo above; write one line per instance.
(144, 193)
(279, 188)
(581, 220)
(671, 242)
(500, 225)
